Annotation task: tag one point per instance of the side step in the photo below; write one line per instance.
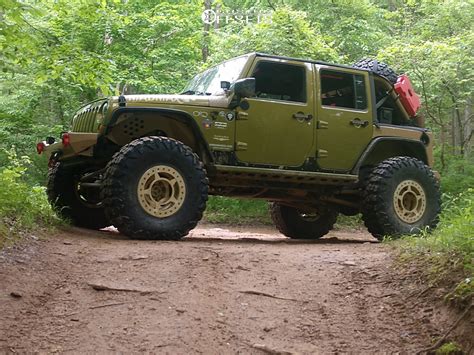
(231, 175)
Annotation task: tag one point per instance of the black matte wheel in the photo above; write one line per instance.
(401, 197)
(295, 223)
(377, 67)
(155, 188)
(82, 207)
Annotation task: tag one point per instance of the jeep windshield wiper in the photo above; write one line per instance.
(191, 92)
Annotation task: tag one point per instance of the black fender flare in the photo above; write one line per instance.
(420, 147)
(178, 115)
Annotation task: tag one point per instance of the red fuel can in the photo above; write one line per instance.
(408, 97)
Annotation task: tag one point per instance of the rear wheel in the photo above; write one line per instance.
(401, 196)
(155, 188)
(295, 223)
(82, 207)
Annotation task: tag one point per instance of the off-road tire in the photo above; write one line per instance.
(393, 204)
(125, 197)
(290, 222)
(377, 67)
(66, 201)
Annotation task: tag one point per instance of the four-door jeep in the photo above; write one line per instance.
(314, 139)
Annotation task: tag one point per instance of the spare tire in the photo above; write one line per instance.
(377, 67)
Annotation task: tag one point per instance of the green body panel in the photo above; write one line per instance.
(339, 142)
(268, 134)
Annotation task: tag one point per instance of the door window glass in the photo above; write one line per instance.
(278, 81)
(341, 89)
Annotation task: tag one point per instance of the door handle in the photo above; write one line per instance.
(358, 123)
(300, 117)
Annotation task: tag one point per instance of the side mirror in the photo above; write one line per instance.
(245, 87)
(225, 85)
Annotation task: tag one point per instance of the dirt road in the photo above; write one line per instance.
(220, 290)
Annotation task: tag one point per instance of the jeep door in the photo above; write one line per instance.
(344, 116)
(276, 127)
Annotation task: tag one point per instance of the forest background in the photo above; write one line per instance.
(57, 55)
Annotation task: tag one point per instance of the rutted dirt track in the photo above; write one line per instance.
(220, 290)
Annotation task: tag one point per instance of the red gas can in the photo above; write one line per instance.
(408, 97)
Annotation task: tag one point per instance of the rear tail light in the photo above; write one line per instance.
(66, 139)
(40, 147)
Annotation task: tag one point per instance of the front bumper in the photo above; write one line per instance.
(76, 144)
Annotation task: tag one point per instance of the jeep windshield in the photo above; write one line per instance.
(209, 81)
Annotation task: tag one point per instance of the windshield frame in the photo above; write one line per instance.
(198, 85)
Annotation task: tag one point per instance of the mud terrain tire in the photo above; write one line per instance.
(377, 67)
(67, 201)
(401, 197)
(292, 223)
(155, 188)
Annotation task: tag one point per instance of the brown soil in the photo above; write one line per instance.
(220, 290)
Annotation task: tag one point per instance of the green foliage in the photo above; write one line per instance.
(457, 175)
(449, 349)
(462, 293)
(56, 55)
(23, 207)
(349, 222)
(448, 250)
(236, 211)
(289, 33)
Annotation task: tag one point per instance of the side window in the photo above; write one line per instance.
(278, 81)
(341, 89)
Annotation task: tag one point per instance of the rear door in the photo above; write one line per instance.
(344, 116)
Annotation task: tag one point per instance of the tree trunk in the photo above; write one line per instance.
(468, 127)
(205, 39)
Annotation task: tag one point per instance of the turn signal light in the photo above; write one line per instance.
(40, 147)
(66, 139)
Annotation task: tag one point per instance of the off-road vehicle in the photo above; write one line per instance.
(314, 139)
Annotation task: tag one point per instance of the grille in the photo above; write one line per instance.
(85, 120)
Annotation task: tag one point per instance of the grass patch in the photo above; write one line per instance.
(449, 349)
(23, 208)
(238, 211)
(448, 251)
(227, 210)
(349, 222)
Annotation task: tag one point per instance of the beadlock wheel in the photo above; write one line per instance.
(155, 188)
(409, 201)
(161, 191)
(400, 197)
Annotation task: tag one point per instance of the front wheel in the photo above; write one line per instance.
(155, 188)
(401, 196)
(295, 223)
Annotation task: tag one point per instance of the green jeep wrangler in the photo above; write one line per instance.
(314, 139)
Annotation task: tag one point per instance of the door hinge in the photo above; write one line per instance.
(322, 153)
(322, 125)
(242, 116)
(240, 146)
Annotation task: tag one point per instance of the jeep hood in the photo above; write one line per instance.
(187, 100)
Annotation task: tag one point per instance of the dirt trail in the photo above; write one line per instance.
(220, 290)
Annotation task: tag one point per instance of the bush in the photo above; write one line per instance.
(449, 250)
(23, 207)
(458, 175)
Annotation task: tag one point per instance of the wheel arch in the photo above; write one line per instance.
(129, 123)
(382, 148)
